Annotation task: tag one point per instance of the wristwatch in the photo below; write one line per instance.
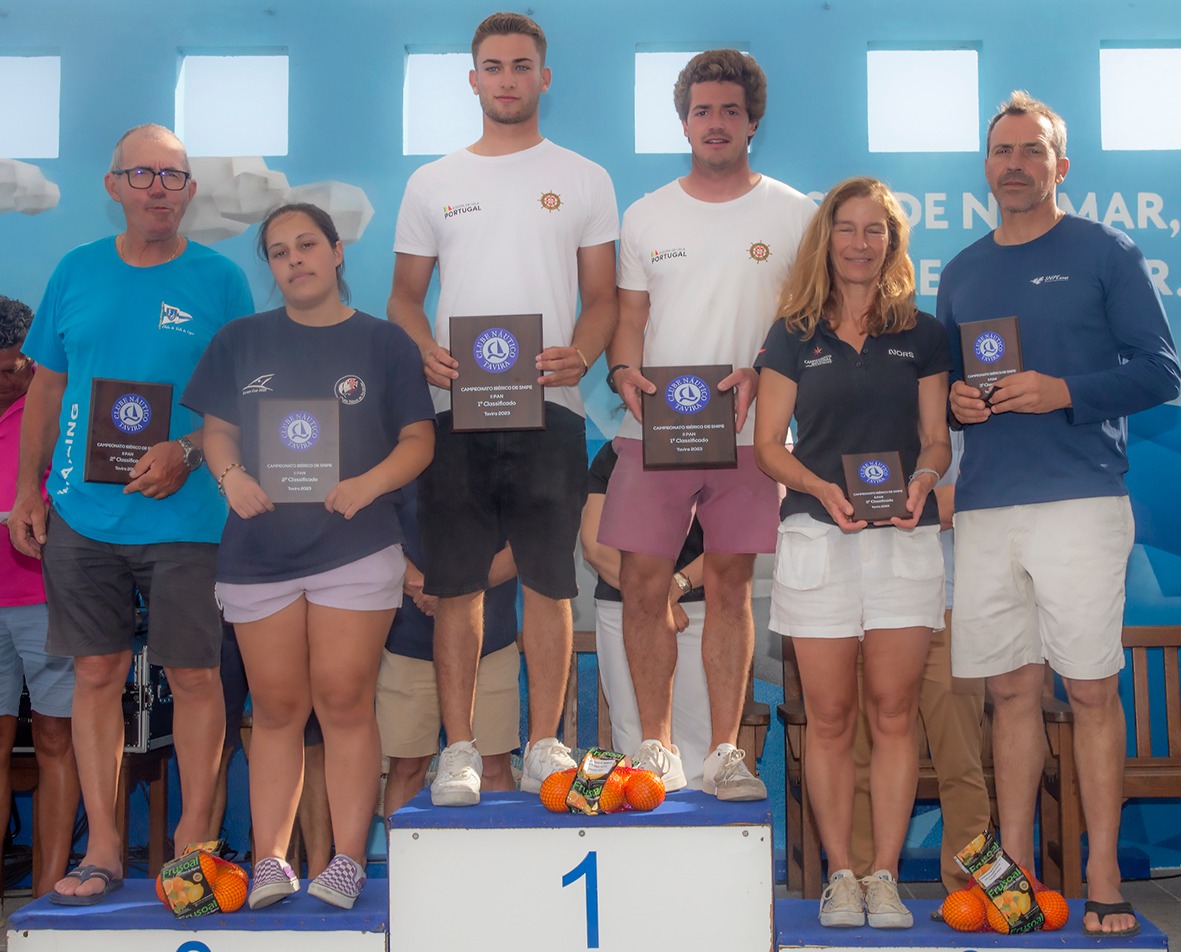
(193, 456)
(611, 376)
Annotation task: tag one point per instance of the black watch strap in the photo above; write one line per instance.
(611, 376)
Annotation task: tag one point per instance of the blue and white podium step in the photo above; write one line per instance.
(509, 875)
(797, 928)
(133, 918)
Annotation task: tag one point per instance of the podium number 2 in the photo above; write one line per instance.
(588, 868)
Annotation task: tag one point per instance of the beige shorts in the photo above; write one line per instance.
(408, 715)
(1041, 582)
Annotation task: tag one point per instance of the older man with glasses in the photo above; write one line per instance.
(119, 330)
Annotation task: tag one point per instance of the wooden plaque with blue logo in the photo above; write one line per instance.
(127, 417)
(875, 485)
(497, 387)
(298, 448)
(688, 422)
(991, 350)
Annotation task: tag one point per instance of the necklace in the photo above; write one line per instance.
(120, 240)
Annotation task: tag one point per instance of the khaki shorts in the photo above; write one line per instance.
(1041, 582)
(408, 715)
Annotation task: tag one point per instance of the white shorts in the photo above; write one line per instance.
(1042, 582)
(372, 583)
(691, 719)
(832, 584)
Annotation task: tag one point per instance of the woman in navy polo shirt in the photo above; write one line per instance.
(862, 371)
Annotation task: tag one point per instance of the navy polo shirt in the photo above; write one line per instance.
(850, 401)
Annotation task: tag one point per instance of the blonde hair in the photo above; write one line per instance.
(809, 291)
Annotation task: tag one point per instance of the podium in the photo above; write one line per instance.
(692, 874)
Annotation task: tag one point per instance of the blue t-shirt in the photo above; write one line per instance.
(412, 634)
(1088, 313)
(372, 369)
(100, 317)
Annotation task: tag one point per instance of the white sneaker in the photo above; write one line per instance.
(726, 777)
(663, 761)
(883, 908)
(842, 903)
(457, 783)
(547, 756)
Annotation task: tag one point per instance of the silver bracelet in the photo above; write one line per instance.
(924, 469)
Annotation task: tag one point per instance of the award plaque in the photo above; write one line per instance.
(298, 448)
(126, 418)
(688, 423)
(992, 350)
(497, 386)
(875, 485)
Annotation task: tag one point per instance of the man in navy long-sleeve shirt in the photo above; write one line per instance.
(1043, 526)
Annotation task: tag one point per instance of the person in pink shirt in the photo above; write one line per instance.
(23, 623)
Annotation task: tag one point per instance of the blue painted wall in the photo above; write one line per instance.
(120, 61)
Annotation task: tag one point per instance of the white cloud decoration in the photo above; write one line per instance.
(347, 204)
(24, 188)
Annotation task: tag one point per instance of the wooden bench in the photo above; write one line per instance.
(1151, 770)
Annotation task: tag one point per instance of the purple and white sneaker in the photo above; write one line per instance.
(340, 884)
(273, 880)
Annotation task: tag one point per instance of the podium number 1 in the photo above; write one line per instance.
(588, 868)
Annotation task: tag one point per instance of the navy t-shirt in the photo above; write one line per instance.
(855, 402)
(373, 370)
(601, 468)
(412, 633)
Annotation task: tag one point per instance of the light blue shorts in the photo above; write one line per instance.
(23, 659)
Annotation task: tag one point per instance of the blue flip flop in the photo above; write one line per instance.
(84, 874)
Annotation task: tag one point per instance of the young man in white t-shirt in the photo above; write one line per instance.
(702, 262)
(517, 225)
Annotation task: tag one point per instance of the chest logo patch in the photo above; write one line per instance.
(350, 390)
(551, 201)
(451, 211)
(687, 394)
(258, 385)
(667, 253)
(873, 472)
(299, 431)
(496, 350)
(174, 317)
(131, 413)
(759, 252)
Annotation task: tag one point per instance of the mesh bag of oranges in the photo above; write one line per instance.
(200, 883)
(602, 784)
(971, 910)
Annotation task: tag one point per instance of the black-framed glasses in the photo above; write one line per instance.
(172, 179)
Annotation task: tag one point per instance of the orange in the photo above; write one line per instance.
(229, 884)
(160, 890)
(963, 911)
(1054, 908)
(555, 788)
(645, 790)
(996, 918)
(613, 799)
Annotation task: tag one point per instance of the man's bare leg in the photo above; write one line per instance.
(459, 634)
(198, 734)
(57, 797)
(548, 634)
(727, 641)
(650, 639)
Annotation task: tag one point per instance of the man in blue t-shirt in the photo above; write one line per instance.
(1043, 524)
(129, 510)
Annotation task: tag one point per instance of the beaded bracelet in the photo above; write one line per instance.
(226, 472)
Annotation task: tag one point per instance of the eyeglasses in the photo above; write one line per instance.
(172, 179)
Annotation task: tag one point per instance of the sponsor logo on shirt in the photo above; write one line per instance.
(1050, 279)
(818, 359)
(893, 352)
(759, 252)
(667, 253)
(174, 317)
(551, 201)
(258, 385)
(350, 389)
(451, 211)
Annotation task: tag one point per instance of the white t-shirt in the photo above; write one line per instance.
(713, 272)
(506, 230)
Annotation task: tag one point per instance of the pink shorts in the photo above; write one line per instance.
(650, 511)
(372, 583)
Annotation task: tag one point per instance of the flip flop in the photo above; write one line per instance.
(1105, 909)
(83, 874)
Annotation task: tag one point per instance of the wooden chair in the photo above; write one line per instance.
(1148, 772)
(24, 777)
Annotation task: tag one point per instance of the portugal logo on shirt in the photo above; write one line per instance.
(495, 350)
(874, 472)
(759, 252)
(299, 431)
(989, 347)
(687, 394)
(131, 413)
(551, 201)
